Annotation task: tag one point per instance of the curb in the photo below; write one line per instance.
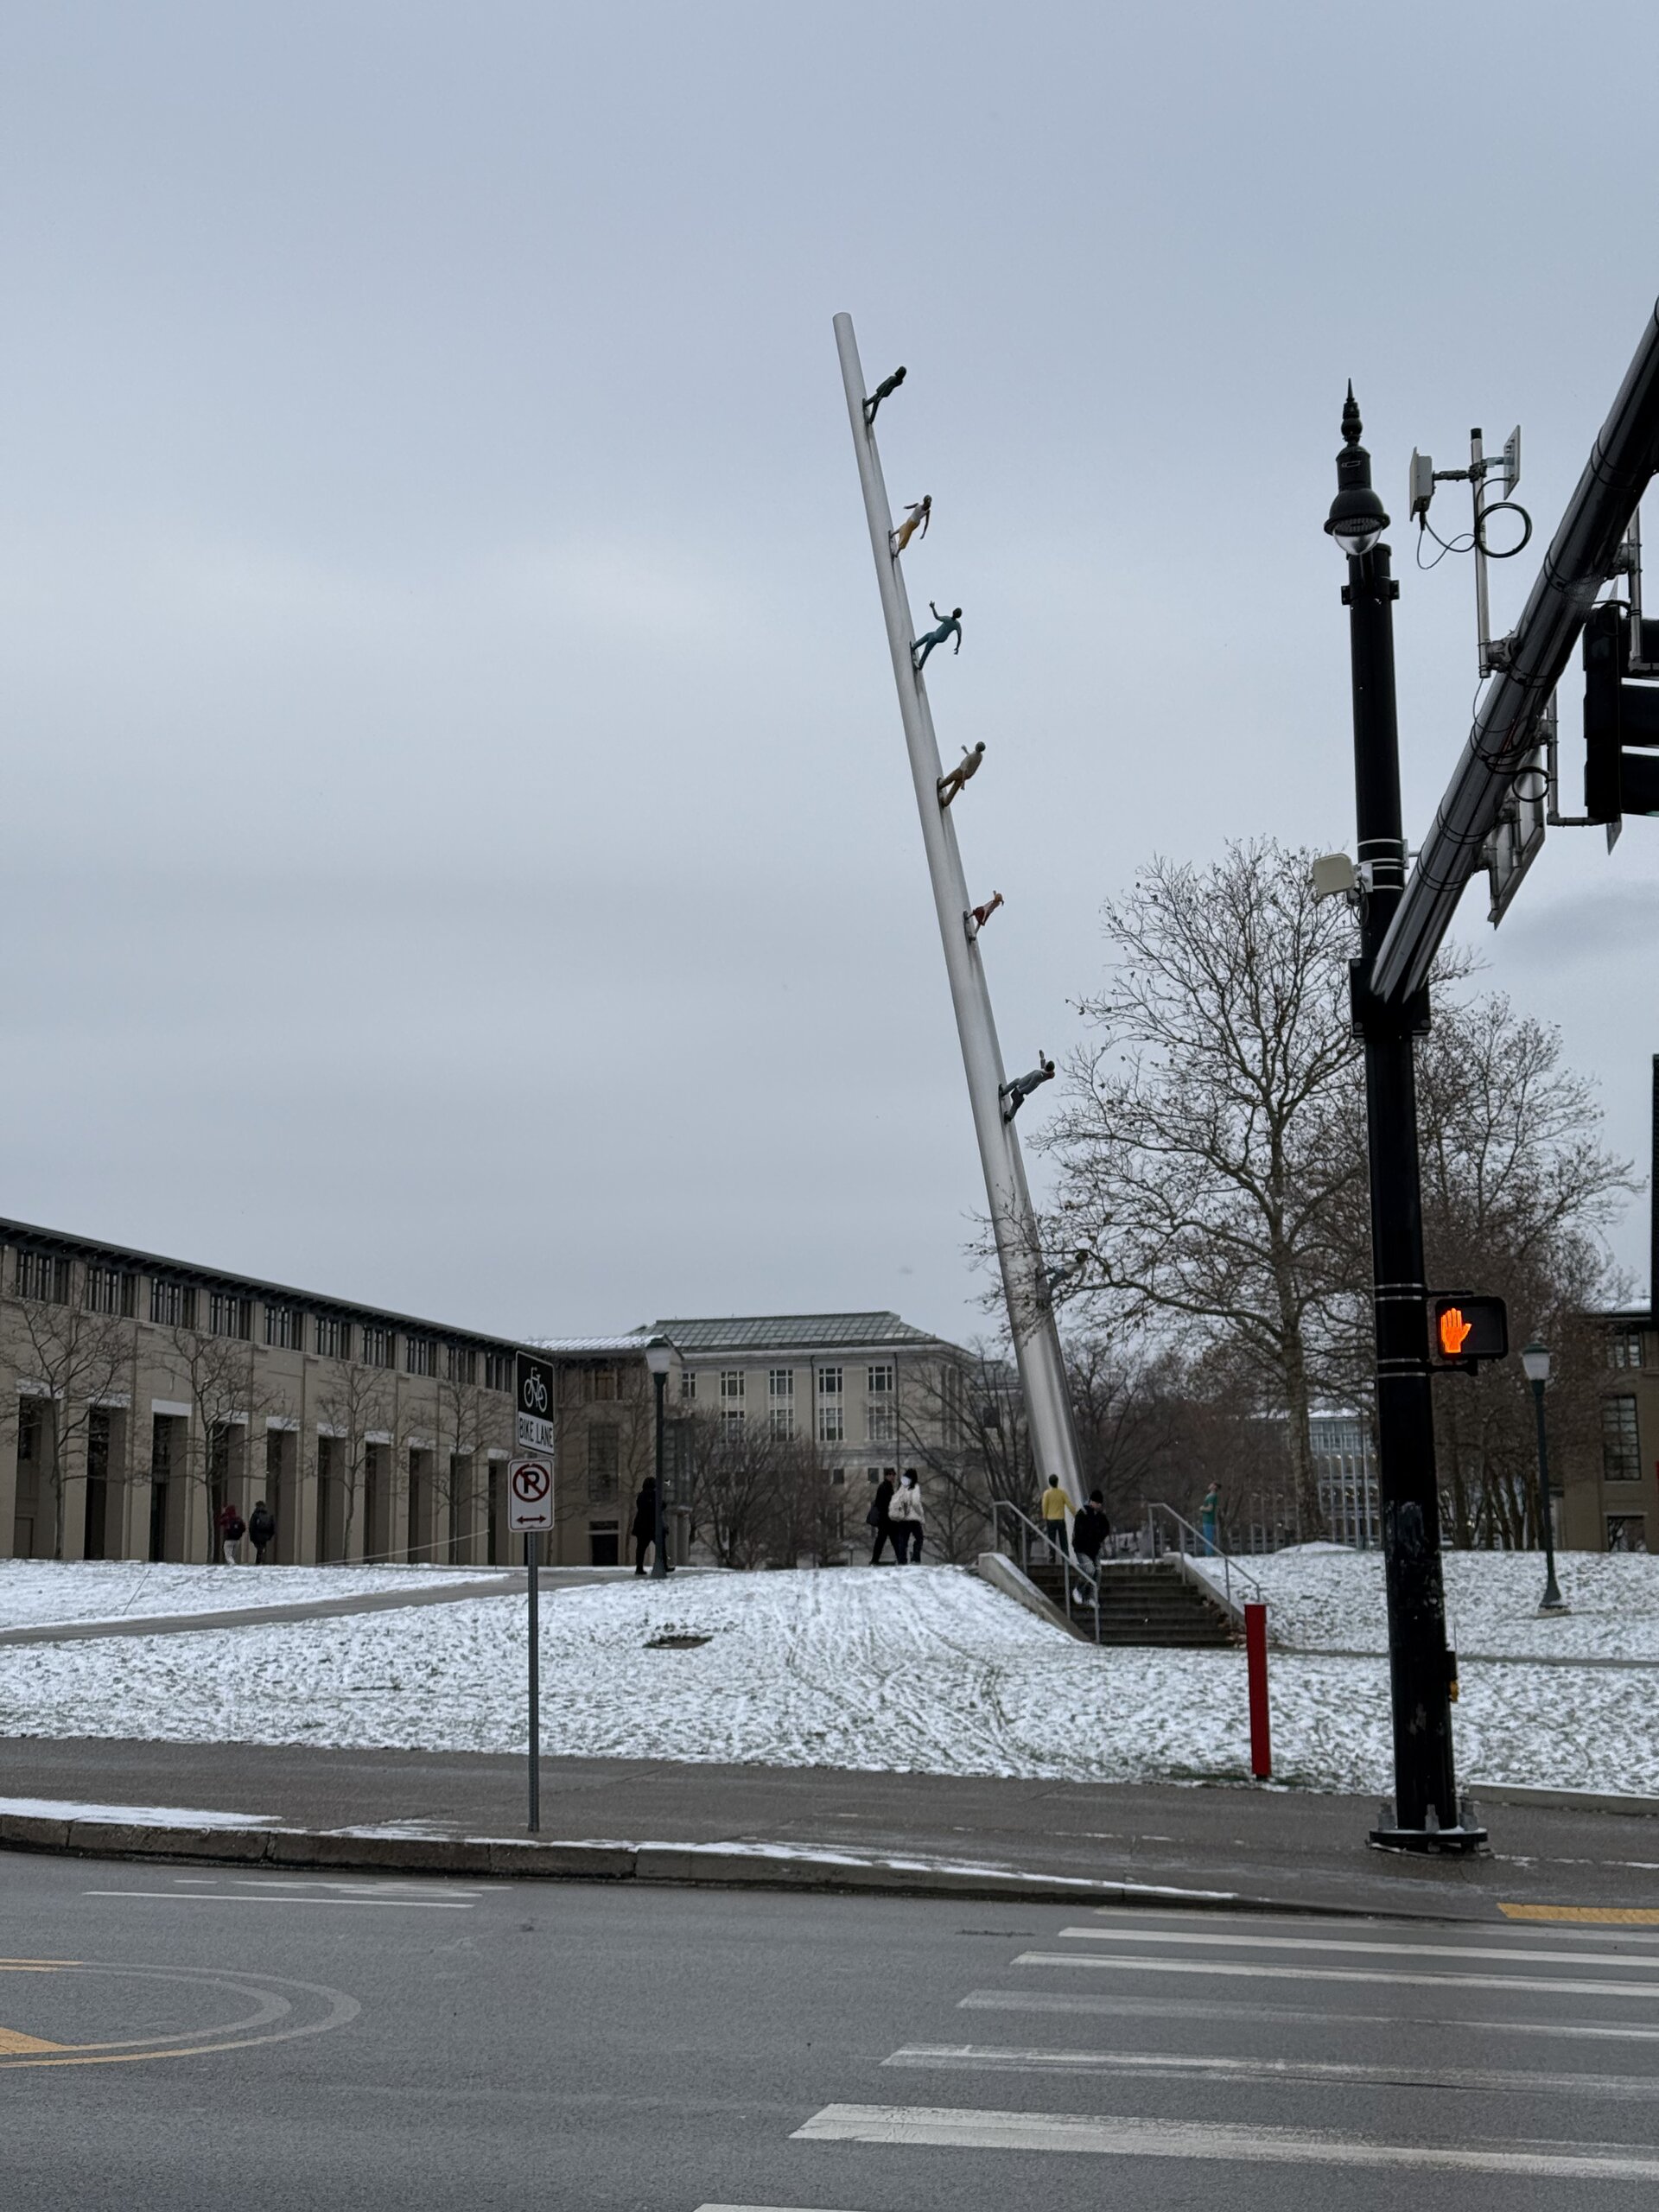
(1566, 1801)
(725, 1865)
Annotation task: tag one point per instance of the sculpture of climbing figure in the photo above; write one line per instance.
(949, 627)
(978, 916)
(1013, 1095)
(968, 766)
(917, 516)
(1068, 1271)
(885, 390)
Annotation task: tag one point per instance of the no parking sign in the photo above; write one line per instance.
(530, 1497)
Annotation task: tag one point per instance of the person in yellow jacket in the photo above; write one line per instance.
(1055, 1508)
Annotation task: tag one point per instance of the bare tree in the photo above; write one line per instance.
(77, 1359)
(354, 1408)
(758, 1497)
(219, 1376)
(963, 1421)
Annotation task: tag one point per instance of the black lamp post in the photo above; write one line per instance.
(1425, 1815)
(1535, 1361)
(659, 1355)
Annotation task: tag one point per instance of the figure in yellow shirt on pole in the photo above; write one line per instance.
(1055, 1509)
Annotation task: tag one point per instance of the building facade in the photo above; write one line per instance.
(139, 1394)
(1611, 1503)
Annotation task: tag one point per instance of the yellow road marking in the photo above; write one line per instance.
(35, 1965)
(13, 2045)
(1609, 1916)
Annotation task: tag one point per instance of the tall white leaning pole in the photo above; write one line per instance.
(1031, 1315)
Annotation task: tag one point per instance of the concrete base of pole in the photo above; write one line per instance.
(1456, 1843)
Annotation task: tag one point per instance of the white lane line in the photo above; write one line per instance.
(1647, 1961)
(233, 1897)
(1186, 2008)
(990, 2059)
(760, 2208)
(1212, 1967)
(939, 2127)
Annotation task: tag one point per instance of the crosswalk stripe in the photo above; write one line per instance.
(1188, 2008)
(923, 2127)
(990, 2059)
(1237, 1971)
(1646, 1960)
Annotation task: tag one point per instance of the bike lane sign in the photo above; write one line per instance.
(530, 1497)
(533, 1390)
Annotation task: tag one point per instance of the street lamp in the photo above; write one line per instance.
(659, 1357)
(1534, 1358)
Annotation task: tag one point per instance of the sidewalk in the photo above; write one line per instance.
(1286, 1847)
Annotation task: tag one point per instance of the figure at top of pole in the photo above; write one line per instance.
(976, 917)
(1013, 1095)
(949, 627)
(917, 515)
(885, 390)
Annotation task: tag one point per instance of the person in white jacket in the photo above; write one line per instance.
(907, 1517)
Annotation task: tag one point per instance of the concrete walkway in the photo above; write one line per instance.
(505, 1582)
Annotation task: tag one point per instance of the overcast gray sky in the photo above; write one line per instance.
(460, 848)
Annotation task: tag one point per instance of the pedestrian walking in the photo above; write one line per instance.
(1089, 1530)
(1209, 1513)
(645, 1523)
(879, 1517)
(232, 1529)
(1054, 1511)
(908, 1517)
(262, 1531)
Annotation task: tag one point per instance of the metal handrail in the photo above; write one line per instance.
(1068, 1559)
(1200, 1549)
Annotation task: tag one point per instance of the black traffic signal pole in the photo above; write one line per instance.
(1426, 1811)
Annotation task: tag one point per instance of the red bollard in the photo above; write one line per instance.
(1255, 1655)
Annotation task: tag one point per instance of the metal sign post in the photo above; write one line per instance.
(529, 1512)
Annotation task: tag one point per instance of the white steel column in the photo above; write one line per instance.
(1031, 1316)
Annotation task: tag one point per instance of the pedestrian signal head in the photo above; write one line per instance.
(1465, 1330)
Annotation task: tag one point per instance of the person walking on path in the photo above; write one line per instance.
(645, 1523)
(232, 1529)
(262, 1531)
(1054, 1512)
(1089, 1530)
(879, 1517)
(1208, 1514)
(908, 1518)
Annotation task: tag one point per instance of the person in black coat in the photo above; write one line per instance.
(879, 1518)
(1089, 1530)
(262, 1531)
(645, 1523)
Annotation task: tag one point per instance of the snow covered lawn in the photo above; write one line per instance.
(34, 1593)
(927, 1671)
(1322, 1598)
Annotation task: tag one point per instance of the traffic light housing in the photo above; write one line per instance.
(1617, 715)
(1464, 1330)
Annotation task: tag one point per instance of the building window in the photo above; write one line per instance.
(688, 1383)
(43, 1275)
(498, 1370)
(420, 1356)
(229, 1314)
(731, 1386)
(829, 1381)
(378, 1346)
(1627, 1532)
(460, 1364)
(284, 1328)
(598, 1386)
(878, 1422)
(780, 1385)
(783, 1420)
(1621, 1459)
(1624, 1348)
(829, 1423)
(333, 1337)
(110, 1290)
(604, 1460)
(172, 1305)
(880, 1380)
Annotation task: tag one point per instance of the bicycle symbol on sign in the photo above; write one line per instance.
(535, 1393)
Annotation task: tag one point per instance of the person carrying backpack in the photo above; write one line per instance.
(262, 1531)
(232, 1529)
(908, 1519)
(879, 1517)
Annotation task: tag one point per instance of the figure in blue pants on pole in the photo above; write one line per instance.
(949, 627)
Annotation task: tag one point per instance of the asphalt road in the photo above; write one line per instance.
(174, 2042)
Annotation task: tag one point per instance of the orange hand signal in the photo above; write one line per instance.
(1453, 1330)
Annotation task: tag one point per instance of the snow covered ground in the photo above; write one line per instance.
(36, 1592)
(1322, 1598)
(929, 1671)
